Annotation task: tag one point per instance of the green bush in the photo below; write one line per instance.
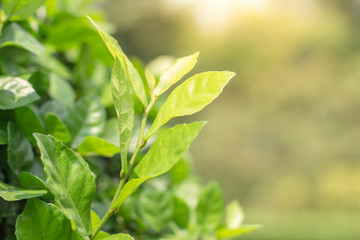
(70, 152)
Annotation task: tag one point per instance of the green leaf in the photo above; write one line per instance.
(181, 212)
(87, 119)
(91, 146)
(150, 79)
(14, 35)
(61, 90)
(42, 221)
(28, 121)
(110, 133)
(20, 154)
(119, 236)
(124, 106)
(30, 181)
(56, 128)
(210, 208)
(234, 215)
(190, 97)
(16, 92)
(175, 72)
(156, 208)
(20, 9)
(130, 71)
(70, 181)
(95, 220)
(3, 132)
(237, 232)
(162, 156)
(11, 193)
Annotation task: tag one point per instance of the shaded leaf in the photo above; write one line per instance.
(3, 132)
(11, 193)
(30, 181)
(56, 128)
(70, 181)
(181, 212)
(16, 92)
(42, 221)
(190, 97)
(20, 9)
(111, 133)
(28, 121)
(61, 90)
(97, 146)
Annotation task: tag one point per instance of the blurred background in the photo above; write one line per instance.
(284, 136)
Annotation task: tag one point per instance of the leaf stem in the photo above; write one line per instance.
(124, 177)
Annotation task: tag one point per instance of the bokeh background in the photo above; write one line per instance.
(284, 136)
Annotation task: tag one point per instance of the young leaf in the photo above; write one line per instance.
(95, 220)
(28, 121)
(20, 9)
(234, 215)
(97, 146)
(129, 69)
(11, 193)
(175, 72)
(210, 208)
(14, 35)
(20, 154)
(56, 128)
(87, 119)
(124, 106)
(150, 79)
(224, 233)
(119, 236)
(70, 181)
(190, 97)
(16, 92)
(162, 156)
(42, 221)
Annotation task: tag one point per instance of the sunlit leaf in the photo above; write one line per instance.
(42, 221)
(70, 181)
(190, 97)
(224, 233)
(150, 79)
(11, 193)
(234, 215)
(97, 146)
(119, 236)
(20, 9)
(95, 220)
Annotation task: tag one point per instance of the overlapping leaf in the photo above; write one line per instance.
(11, 193)
(28, 121)
(97, 146)
(56, 128)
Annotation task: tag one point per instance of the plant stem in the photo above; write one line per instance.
(124, 177)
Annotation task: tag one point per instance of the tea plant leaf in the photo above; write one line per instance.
(11, 193)
(42, 221)
(20, 9)
(28, 121)
(95, 220)
(190, 97)
(97, 146)
(124, 106)
(70, 181)
(175, 72)
(129, 69)
(20, 154)
(210, 208)
(87, 119)
(162, 156)
(30, 181)
(14, 35)
(156, 208)
(181, 212)
(3, 132)
(110, 133)
(16, 92)
(56, 128)
(119, 236)
(224, 233)
(61, 90)
(234, 215)
(150, 79)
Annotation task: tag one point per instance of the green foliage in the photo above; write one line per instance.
(57, 137)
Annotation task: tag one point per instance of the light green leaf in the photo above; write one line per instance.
(237, 232)
(70, 181)
(11, 193)
(124, 106)
(119, 236)
(234, 215)
(175, 72)
(14, 35)
(28, 121)
(30, 181)
(16, 92)
(95, 220)
(156, 208)
(61, 90)
(150, 79)
(162, 156)
(20, 154)
(110, 133)
(190, 97)
(97, 146)
(42, 221)
(20, 9)
(130, 71)
(210, 208)
(56, 128)
(87, 119)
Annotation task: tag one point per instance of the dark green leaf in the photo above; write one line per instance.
(181, 212)
(11, 193)
(190, 97)
(16, 92)
(97, 146)
(14, 35)
(3, 132)
(56, 128)
(28, 121)
(70, 181)
(20, 9)
(124, 106)
(42, 221)
(20, 154)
